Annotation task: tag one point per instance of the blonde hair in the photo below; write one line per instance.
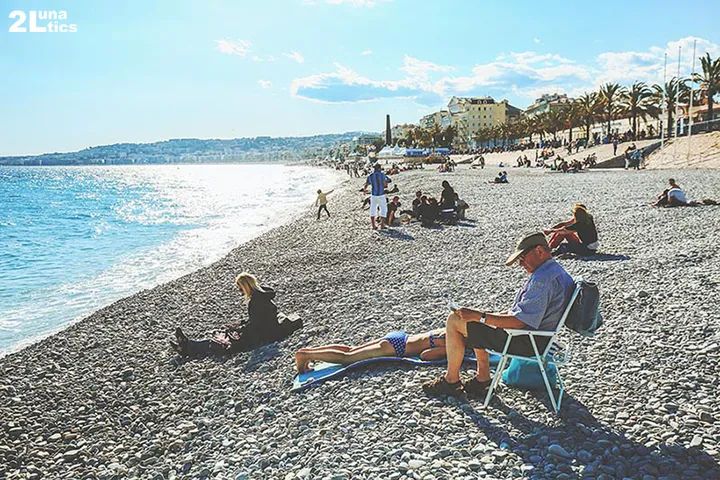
(581, 213)
(248, 283)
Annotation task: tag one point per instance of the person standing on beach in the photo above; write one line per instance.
(321, 202)
(377, 181)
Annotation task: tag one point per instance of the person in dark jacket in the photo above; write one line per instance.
(264, 325)
(447, 196)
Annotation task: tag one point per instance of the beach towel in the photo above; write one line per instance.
(323, 371)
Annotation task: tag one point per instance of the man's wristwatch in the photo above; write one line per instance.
(483, 317)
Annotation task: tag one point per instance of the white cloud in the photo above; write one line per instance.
(524, 75)
(265, 84)
(647, 66)
(420, 68)
(263, 58)
(233, 47)
(366, 52)
(296, 56)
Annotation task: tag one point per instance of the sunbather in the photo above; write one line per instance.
(429, 346)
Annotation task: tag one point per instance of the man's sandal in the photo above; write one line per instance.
(476, 388)
(440, 386)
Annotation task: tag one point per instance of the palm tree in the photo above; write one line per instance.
(709, 81)
(554, 120)
(589, 107)
(670, 93)
(610, 95)
(540, 124)
(571, 118)
(636, 102)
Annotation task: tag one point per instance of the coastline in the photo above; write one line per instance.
(281, 219)
(106, 397)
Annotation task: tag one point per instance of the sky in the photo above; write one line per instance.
(145, 71)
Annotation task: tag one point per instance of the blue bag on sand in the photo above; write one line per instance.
(526, 374)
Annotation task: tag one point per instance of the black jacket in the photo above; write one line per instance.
(262, 326)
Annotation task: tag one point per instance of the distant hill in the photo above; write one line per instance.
(193, 150)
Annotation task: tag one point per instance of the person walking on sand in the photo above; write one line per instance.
(377, 181)
(321, 202)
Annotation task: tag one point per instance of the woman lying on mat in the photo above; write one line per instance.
(429, 346)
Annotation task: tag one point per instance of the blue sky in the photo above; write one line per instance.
(143, 71)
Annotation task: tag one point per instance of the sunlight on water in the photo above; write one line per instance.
(76, 238)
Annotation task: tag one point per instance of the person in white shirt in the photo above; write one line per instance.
(672, 197)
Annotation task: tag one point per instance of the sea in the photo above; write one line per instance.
(74, 239)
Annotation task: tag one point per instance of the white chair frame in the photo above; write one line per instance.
(541, 358)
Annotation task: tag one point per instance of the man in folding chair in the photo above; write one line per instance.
(538, 305)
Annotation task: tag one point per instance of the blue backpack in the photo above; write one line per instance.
(584, 317)
(525, 374)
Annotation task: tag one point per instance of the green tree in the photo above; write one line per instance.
(667, 97)
(636, 102)
(554, 121)
(589, 109)
(571, 114)
(610, 96)
(709, 81)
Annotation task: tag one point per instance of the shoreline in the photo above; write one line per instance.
(106, 396)
(28, 341)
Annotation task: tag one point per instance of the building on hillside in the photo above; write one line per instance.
(546, 103)
(441, 119)
(470, 114)
(364, 140)
(401, 131)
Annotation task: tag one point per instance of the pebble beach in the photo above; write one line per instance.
(107, 398)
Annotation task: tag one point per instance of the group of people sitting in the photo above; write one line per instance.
(429, 210)
(538, 305)
(523, 161)
(502, 177)
(562, 165)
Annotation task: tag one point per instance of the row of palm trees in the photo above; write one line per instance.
(612, 101)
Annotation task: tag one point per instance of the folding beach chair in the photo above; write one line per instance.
(554, 353)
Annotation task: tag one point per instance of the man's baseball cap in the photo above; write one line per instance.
(525, 244)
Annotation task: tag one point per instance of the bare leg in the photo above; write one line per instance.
(483, 365)
(380, 348)
(455, 335)
(340, 347)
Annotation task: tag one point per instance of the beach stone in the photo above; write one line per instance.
(558, 450)
(134, 409)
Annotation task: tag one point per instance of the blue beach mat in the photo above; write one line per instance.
(323, 371)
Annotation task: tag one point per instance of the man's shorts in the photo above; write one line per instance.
(484, 336)
(378, 201)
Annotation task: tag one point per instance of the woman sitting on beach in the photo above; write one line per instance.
(577, 235)
(428, 346)
(264, 325)
(447, 196)
(429, 212)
